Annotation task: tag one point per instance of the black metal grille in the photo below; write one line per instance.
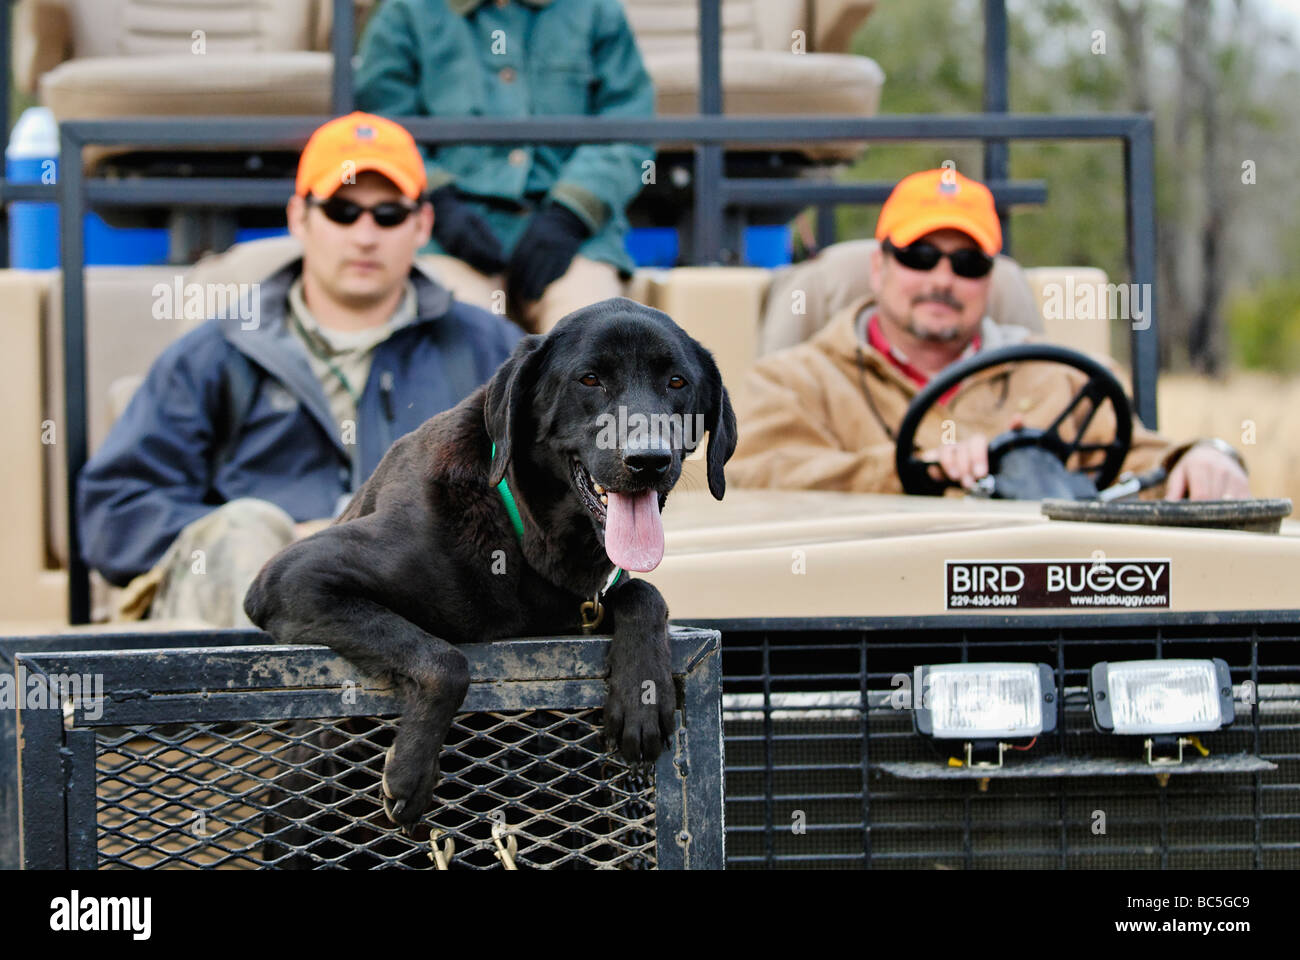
(808, 768)
(242, 757)
(306, 794)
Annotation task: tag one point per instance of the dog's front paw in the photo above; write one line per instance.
(639, 715)
(410, 774)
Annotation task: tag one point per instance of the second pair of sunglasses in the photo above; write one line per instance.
(346, 212)
(966, 262)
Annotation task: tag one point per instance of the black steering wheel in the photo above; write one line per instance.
(1028, 463)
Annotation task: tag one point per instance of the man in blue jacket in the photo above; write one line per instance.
(256, 428)
(544, 222)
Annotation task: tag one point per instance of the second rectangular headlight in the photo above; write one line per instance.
(1137, 697)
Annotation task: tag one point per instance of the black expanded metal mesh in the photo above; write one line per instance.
(306, 794)
(806, 784)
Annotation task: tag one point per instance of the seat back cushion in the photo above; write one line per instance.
(721, 308)
(247, 262)
(776, 20)
(124, 335)
(669, 26)
(26, 437)
(114, 28)
(1074, 305)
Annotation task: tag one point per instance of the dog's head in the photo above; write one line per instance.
(612, 401)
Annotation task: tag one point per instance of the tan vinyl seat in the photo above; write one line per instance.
(31, 594)
(778, 57)
(123, 337)
(113, 58)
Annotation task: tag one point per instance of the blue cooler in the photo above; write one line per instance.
(33, 157)
(765, 246)
(769, 246)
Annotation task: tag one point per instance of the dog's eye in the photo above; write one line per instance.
(676, 382)
(589, 380)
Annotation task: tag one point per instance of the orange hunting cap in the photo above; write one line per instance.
(353, 144)
(937, 200)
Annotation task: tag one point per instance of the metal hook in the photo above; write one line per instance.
(506, 851)
(441, 858)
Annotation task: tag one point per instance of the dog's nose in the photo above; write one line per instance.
(647, 463)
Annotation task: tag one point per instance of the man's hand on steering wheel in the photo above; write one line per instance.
(1207, 473)
(966, 460)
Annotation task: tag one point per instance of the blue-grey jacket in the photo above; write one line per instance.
(524, 58)
(155, 472)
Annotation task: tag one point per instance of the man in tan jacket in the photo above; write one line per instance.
(825, 414)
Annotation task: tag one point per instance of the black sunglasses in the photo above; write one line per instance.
(346, 212)
(966, 262)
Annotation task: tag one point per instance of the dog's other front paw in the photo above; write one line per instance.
(410, 775)
(640, 714)
(641, 702)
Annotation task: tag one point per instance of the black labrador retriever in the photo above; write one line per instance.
(588, 427)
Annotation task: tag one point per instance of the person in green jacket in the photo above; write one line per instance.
(539, 227)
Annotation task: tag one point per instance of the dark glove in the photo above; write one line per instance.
(463, 233)
(544, 252)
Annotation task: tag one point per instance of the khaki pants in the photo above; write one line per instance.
(585, 282)
(208, 568)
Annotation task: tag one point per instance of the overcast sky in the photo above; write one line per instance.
(1287, 9)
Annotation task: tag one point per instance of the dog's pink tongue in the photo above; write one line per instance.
(634, 533)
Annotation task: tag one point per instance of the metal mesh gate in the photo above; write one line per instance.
(276, 762)
(823, 771)
(307, 794)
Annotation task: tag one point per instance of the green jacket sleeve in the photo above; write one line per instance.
(599, 179)
(388, 79)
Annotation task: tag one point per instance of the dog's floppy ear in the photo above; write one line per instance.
(507, 391)
(721, 421)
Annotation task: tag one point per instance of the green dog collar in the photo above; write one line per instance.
(508, 499)
(517, 522)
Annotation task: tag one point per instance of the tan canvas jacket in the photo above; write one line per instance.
(804, 421)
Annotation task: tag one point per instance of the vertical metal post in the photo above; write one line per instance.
(1140, 223)
(43, 790)
(72, 203)
(864, 731)
(995, 99)
(1257, 808)
(343, 42)
(79, 799)
(769, 759)
(704, 777)
(825, 225)
(709, 204)
(1063, 834)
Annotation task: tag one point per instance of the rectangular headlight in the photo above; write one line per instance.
(1161, 696)
(980, 701)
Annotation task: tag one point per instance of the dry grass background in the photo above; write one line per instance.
(1191, 406)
